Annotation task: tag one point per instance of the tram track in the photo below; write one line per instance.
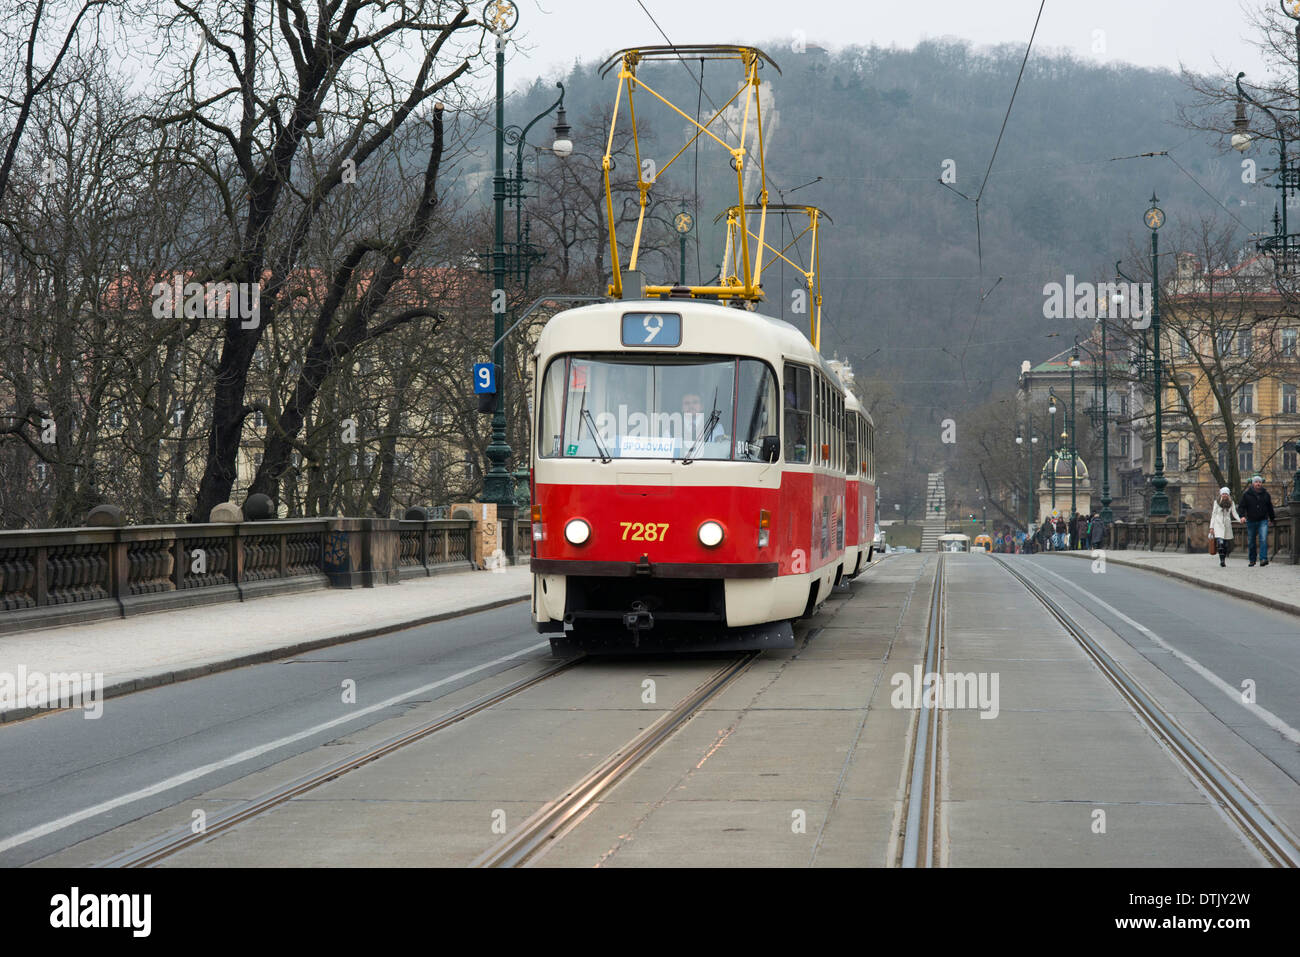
(152, 852)
(540, 831)
(920, 824)
(1278, 846)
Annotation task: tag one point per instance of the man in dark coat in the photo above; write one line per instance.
(1096, 530)
(1256, 508)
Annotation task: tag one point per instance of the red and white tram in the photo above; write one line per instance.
(701, 477)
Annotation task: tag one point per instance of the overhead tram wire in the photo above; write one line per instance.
(979, 196)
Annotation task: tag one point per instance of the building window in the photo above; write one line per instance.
(1184, 347)
(1223, 457)
(1244, 343)
(1246, 399)
(1288, 398)
(1225, 342)
(1125, 444)
(1246, 457)
(1171, 455)
(259, 420)
(1289, 457)
(178, 414)
(1288, 342)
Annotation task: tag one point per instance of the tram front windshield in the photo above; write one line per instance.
(656, 407)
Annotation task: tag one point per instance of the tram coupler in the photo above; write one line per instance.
(638, 620)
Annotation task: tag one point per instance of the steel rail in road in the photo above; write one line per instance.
(922, 806)
(1274, 841)
(558, 816)
(146, 855)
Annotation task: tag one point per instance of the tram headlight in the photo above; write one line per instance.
(576, 531)
(710, 534)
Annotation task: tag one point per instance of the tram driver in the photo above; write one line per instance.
(694, 420)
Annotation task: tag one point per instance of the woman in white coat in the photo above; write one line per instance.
(1222, 515)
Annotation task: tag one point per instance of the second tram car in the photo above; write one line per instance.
(700, 476)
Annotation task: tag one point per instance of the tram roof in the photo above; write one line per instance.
(730, 331)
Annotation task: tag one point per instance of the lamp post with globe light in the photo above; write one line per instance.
(1051, 448)
(1074, 450)
(500, 17)
(1029, 487)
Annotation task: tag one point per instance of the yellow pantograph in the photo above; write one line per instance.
(741, 281)
(738, 230)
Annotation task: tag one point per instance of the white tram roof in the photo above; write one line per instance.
(707, 327)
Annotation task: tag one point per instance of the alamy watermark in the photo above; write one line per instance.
(1129, 301)
(947, 691)
(208, 300)
(53, 690)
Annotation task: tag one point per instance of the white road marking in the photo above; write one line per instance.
(1268, 717)
(186, 777)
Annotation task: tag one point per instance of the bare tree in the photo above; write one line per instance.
(264, 83)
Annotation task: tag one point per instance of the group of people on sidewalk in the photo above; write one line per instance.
(1079, 532)
(1255, 509)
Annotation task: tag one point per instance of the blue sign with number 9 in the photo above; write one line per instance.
(653, 329)
(485, 379)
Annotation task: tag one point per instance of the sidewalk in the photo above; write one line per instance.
(148, 650)
(1277, 586)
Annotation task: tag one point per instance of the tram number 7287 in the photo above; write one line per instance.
(645, 531)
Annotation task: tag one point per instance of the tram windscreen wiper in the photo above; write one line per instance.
(600, 446)
(707, 431)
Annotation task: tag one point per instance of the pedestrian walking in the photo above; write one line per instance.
(1046, 532)
(1096, 530)
(1256, 508)
(1080, 530)
(1060, 533)
(1222, 515)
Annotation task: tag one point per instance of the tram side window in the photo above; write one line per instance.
(839, 431)
(550, 427)
(823, 417)
(871, 452)
(798, 409)
(851, 449)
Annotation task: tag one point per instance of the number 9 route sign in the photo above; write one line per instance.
(654, 329)
(485, 379)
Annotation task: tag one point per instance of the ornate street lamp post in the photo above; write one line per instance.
(1074, 450)
(1051, 449)
(1154, 219)
(500, 17)
(1029, 485)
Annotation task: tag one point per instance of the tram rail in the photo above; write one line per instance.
(540, 831)
(1278, 846)
(152, 852)
(920, 825)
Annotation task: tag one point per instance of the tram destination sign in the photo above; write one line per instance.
(653, 329)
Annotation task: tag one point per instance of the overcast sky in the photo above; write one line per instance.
(1154, 33)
